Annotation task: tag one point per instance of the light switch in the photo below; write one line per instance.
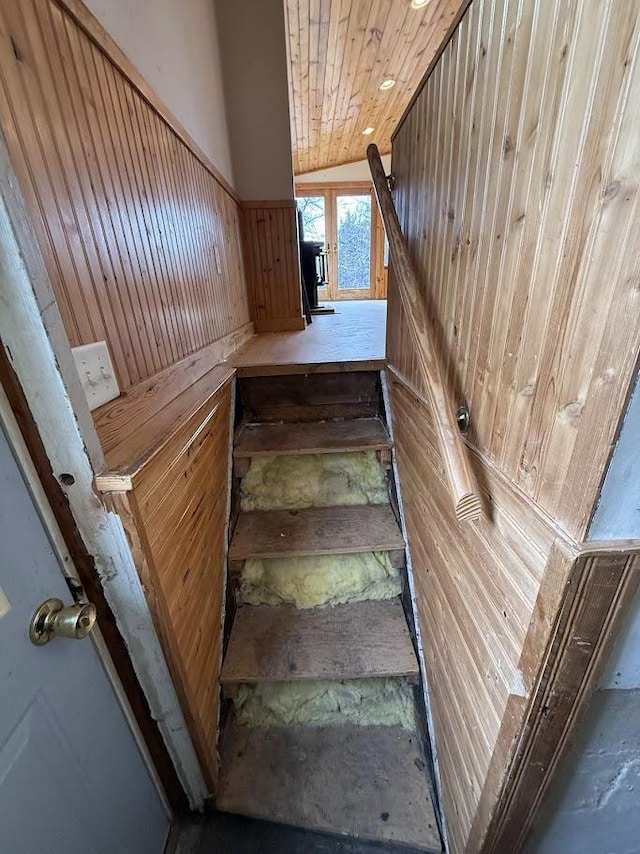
(96, 373)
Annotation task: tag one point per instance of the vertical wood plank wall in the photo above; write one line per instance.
(517, 188)
(270, 239)
(141, 239)
(176, 520)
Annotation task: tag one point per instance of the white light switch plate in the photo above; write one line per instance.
(96, 373)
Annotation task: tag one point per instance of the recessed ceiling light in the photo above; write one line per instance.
(419, 4)
(368, 131)
(387, 84)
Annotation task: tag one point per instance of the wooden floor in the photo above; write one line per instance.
(351, 339)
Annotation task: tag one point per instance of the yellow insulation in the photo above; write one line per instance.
(365, 702)
(314, 480)
(310, 582)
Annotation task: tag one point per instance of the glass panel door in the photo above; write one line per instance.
(315, 227)
(314, 224)
(353, 226)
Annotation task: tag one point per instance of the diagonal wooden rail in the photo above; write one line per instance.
(462, 482)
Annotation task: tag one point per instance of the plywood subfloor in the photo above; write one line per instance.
(353, 338)
(362, 639)
(367, 782)
(355, 434)
(318, 530)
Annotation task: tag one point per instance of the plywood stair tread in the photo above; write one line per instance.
(363, 639)
(315, 531)
(355, 434)
(367, 782)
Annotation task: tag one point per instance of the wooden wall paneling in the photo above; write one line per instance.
(128, 212)
(476, 591)
(175, 513)
(516, 184)
(514, 256)
(270, 240)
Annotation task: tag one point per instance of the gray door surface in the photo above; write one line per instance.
(72, 779)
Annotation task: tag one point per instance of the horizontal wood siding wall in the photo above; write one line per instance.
(270, 238)
(128, 216)
(176, 520)
(516, 181)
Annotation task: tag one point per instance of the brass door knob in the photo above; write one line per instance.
(52, 619)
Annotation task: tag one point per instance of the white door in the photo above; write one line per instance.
(72, 779)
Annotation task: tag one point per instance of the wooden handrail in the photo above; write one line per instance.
(462, 482)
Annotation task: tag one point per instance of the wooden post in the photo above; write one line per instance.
(462, 482)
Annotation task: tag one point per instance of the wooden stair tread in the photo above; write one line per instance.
(365, 782)
(360, 640)
(315, 531)
(356, 434)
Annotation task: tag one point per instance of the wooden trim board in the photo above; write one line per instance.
(599, 591)
(137, 448)
(143, 401)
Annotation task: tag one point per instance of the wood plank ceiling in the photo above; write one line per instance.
(340, 51)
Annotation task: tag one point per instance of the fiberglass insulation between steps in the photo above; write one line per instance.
(315, 581)
(314, 480)
(365, 702)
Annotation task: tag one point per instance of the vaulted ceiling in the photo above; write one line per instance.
(340, 52)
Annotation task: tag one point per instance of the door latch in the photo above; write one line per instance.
(52, 619)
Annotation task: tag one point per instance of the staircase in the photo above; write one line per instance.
(320, 666)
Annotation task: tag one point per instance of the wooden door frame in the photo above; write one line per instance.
(42, 385)
(377, 273)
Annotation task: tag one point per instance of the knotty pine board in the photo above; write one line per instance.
(270, 241)
(176, 520)
(516, 185)
(127, 214)
(517, 188)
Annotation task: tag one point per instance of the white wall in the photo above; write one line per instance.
(254, 66)
(174, 45)
(349, 172)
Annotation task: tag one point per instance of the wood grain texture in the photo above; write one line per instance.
(319, 530)
(340, 53)
(516, 186)
(316, 397)
(127, 215)
(270, 241)
(352, 339)
(356, 434)
(141, 441)
(355, 641)
(596, 598)
(367, 782)
(148, 399)
(476, 590)
(517, 190)
(176, 521)
(420, 329)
